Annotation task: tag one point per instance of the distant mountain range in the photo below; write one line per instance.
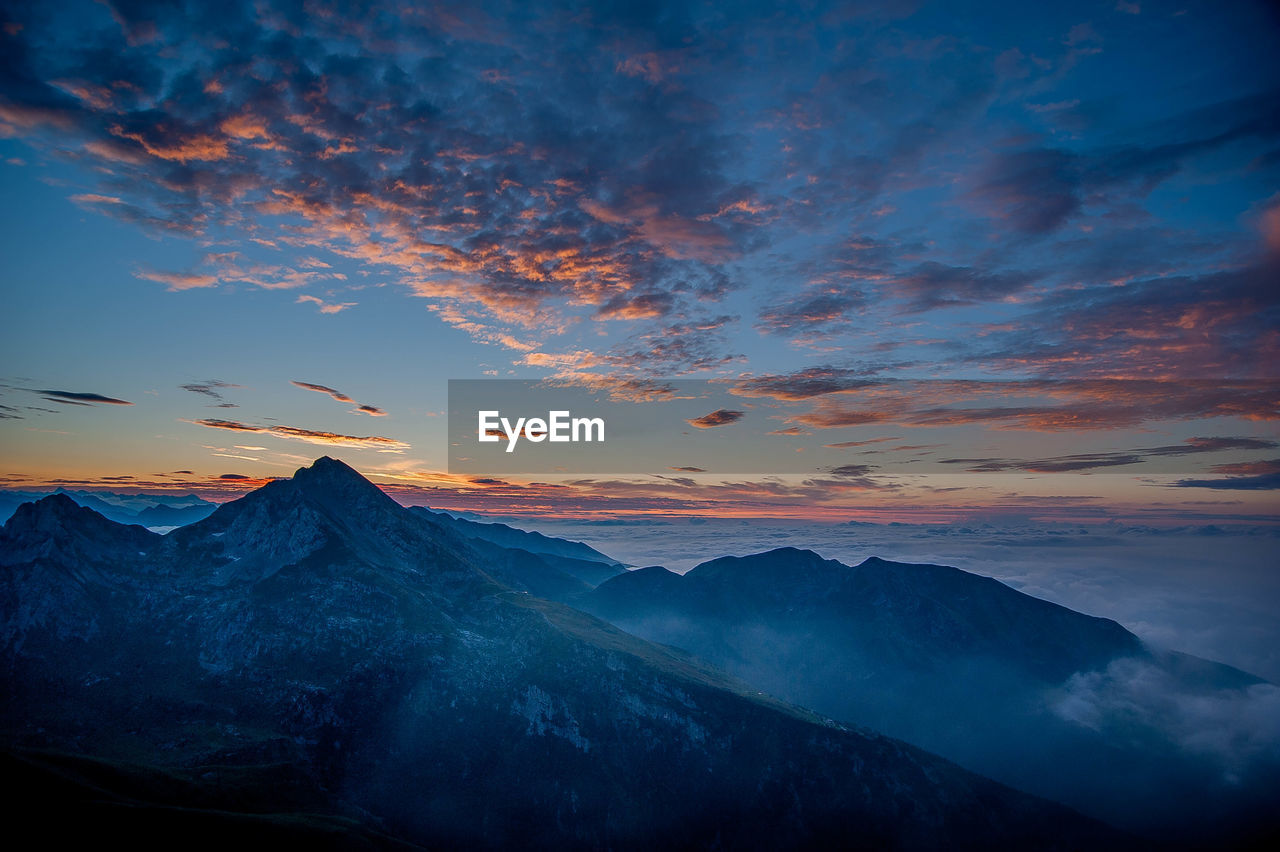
(1064, 705)
(156, 511)
(315, 663)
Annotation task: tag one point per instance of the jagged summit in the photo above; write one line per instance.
(56, 505)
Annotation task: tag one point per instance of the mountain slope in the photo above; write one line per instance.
(575, 558)
(962, 665)
(317, 627)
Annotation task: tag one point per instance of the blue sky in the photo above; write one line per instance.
(208, 208)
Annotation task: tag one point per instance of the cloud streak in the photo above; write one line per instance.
(1095, 461)
(73, 398)
(371, 410)
(310, 436)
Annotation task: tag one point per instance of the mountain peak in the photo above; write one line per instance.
(57, 506)
(57, 524)
(328, 466)
(329, 477)
(789, 553)
(769, 561)
(328, 485)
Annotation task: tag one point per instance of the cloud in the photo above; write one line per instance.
(1043, 405)
(178, 281)
(1253, 467)
(504, 202)
(824, 308)
(688, 469)
(212, 389)
(338, 395)
(1037, 190)
(93, 198)
(644, 306)
(1219, 324)
(719, 417)
(934, 285)
(71, 398)
(325, 307)
(1093, 461)
(231, 425)
(1259, 482)
(1062, 464)
(1034, 190)
(804, 384)
(1193, 446)
(371, 410)
(851, 470)
(310, 436)
(842, 445)
(1235, 727)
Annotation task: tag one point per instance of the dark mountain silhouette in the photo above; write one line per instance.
(148, 510)
(1063, 704)
(315, 663)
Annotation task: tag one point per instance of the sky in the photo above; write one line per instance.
(940, 260)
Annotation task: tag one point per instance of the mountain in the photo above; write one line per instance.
(581, 560)
(313, 662)
(1062, 704)
(148, 510)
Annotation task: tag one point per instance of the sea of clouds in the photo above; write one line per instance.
(1209, 591)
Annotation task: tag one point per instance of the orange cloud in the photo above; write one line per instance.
(178, 280)
(325, 307)
(201, 147)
